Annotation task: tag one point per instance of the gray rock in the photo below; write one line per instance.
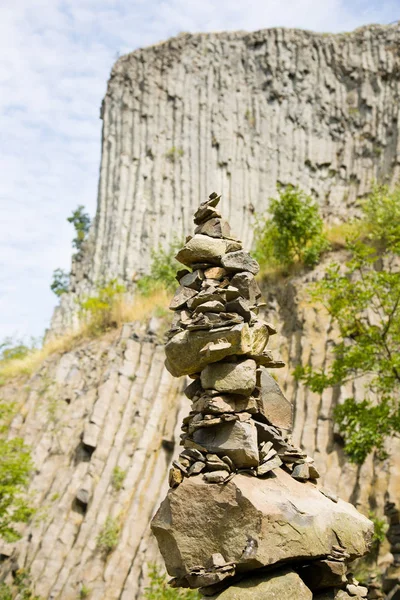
(211, 306)
(236, 378)
(182, 295)
(217, 228)
(247, 286)
(323, 574)
(357, 590)
(236, 440)
(193, 389)
(202, 248)
(241, 307)
(215, 477)
(196, 468)
(283, 585)
(272, 404)
(301, 472)
(268, 466)
(216, 273)
(225, 403)
(240, 261)
(285, 519)
(192, 280)
(190, 351)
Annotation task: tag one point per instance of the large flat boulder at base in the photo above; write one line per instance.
(190, 351)
(254, 523)
(283, 585)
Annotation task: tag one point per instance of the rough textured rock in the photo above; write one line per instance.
(236, 111)
(190, 351)
(272, 403)
(227, 377)
(236, 440)
(285, 585)
(269, 521)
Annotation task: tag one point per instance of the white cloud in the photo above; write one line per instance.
(55, 59)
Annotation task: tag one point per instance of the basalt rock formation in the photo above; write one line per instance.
(243, 111)
(243, 497)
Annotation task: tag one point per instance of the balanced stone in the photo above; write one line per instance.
(202, 248)
(284, 585)
(236, 440)
(184, 350)
(235, 378)
(240, 261)
(272, 403)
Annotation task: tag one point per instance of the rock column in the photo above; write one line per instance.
(244, 517)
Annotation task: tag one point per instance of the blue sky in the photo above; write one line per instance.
(55, 59)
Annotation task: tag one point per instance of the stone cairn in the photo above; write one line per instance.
(244, 517)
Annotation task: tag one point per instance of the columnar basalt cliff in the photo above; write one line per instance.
(242, 496)
(240, 111)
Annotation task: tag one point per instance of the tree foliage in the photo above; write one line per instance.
(81, 222)
(162, 270)
(60, 282)
(12, 348)
(293, 232)
(15, 469)
(363, 299)
(159, 589)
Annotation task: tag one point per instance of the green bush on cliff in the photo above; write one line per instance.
(81, 222)
(292, 232)
(15, 469)
(60, 282)
(99, 311)
(163, 269)
(159, 589)
(363, 299)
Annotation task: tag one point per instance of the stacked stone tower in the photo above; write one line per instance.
(244, 517)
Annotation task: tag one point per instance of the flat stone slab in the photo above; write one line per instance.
(230, 377)
(189, 352)
(272, 404)
(237, 440)
(254, 523)
(284, 585)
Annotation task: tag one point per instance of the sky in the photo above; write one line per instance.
(55, 60)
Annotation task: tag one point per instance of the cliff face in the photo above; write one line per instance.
(111, 403)
(236, 112)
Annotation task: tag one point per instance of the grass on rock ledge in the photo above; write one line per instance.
(102, 319)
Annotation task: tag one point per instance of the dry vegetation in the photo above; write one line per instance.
(119, 311)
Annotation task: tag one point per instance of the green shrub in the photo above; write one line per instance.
(14, 349)
(81, 222)
(362, 298)
(107, 540)
(118, 478)
(98, 310)
(159, 589)
(5, 592)
(173, 154)
(84, 592)
(292, 233)
(60, 282)
(162, 270)
(15, 469)
(22, 581)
